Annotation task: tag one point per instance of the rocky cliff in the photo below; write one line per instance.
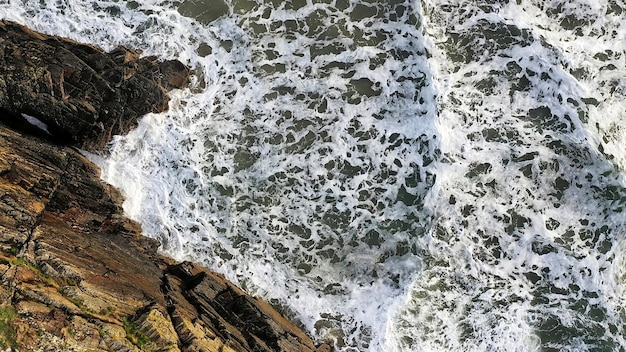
(80, 94)
(75, 274)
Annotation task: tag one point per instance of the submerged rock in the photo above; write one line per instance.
(77, 93)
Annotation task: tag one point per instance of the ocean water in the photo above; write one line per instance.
(393, 175)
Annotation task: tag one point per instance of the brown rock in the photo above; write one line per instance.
(83, 333)
(158, 327)
(24, 274)
(30, 308)
(174, 74)
(48, 296)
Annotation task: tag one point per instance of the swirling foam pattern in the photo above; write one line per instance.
(395, 175)
(526, 247)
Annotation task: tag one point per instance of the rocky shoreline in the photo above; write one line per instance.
(75, 274)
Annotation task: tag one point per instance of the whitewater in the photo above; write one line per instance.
(392, 175)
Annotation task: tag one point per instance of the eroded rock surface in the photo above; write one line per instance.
(79, 93)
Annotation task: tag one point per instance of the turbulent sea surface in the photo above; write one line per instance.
(394, 175)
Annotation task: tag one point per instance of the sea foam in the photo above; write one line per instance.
(436, 176)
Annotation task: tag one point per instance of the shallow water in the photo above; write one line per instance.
(395, 175)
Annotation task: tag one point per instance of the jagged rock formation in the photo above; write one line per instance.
(80, 93)
(75, 274)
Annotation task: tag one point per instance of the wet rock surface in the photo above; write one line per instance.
(75, 274)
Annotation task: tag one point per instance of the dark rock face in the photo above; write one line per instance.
(75, 274)
(81, 93)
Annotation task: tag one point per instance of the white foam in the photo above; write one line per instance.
(501, 164)
(434, 214)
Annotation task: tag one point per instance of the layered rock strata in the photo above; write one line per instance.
(75, 274)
